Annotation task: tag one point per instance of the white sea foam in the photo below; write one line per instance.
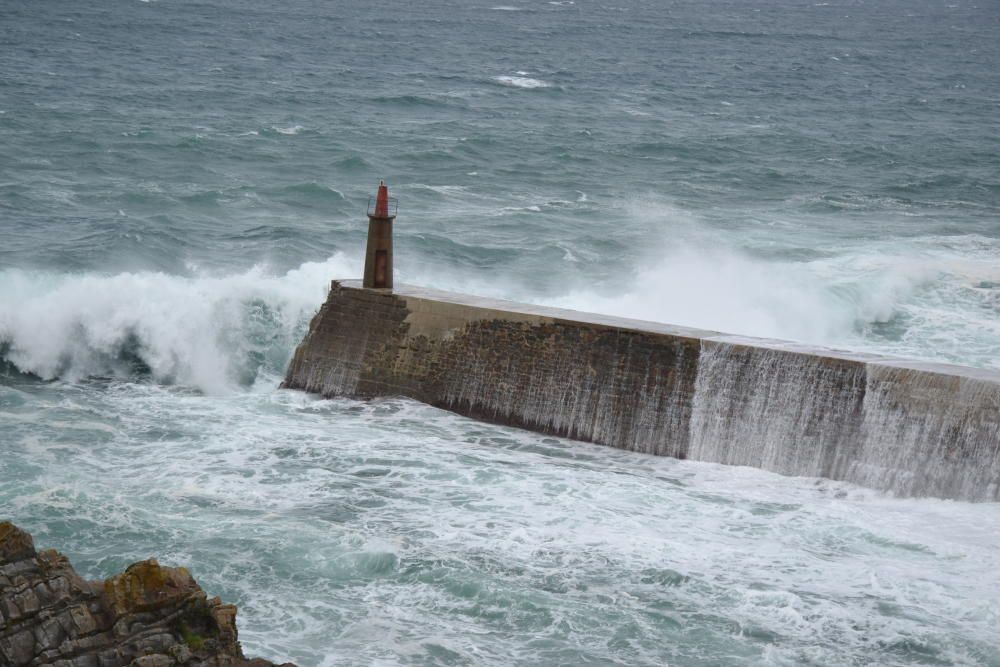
(196, 331)
(521, 82)
(568, 255)
(295, 129)
(932, 287)
(818, 302)
(720, 290)
(517, 209)
(447, 190)
(383, 531)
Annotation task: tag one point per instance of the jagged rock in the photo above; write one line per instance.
(147, 616)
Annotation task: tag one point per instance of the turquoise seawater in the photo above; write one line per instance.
(179, 181)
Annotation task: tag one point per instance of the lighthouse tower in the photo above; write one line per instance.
(378, 258)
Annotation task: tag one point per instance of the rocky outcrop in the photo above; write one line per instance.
(147, 616)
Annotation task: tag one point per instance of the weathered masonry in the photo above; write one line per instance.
(909, 427)
(378, 255)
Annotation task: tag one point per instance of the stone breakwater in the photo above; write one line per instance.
(912, 428)
(148, 616)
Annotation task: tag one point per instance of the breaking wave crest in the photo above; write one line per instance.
(215, 333)
(731, 292)
(935, 309)
(934, 297)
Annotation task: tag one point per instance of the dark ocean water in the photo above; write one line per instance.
(180, 180)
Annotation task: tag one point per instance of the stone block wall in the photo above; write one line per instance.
(908, 427)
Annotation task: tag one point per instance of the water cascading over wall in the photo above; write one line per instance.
(912, 428)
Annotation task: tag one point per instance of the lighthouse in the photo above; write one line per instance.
(378, 258)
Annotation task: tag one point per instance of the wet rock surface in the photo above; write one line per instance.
(147, 616)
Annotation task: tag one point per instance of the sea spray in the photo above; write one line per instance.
(940, 303)
(213, 333)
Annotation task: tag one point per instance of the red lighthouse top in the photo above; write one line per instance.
(382, 201)
(385, 206)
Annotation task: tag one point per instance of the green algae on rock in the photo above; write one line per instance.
(147, 616)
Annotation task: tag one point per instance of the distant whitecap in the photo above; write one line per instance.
(521, 82)
(518, 209)
(568, 255)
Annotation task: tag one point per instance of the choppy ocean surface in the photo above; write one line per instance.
(180, 180)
